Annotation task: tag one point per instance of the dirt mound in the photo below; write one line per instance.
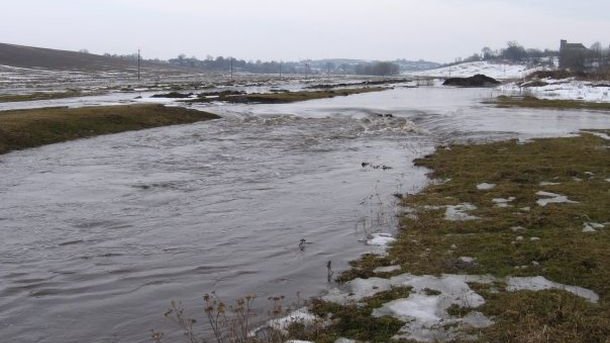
(478, 80)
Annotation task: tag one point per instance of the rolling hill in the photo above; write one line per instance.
(33, 57)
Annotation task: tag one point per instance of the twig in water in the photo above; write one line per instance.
(329, 271)
(302, 244)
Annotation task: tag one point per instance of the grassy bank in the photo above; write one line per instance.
(533, 102)
(22, 129)
(287, 97)
(38, 96)
(507, 232)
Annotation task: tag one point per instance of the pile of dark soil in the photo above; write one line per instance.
(478, 80)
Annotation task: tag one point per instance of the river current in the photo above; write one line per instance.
(98, 235)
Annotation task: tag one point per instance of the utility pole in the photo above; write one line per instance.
(280, 70)
(138, 64)
(231, 66)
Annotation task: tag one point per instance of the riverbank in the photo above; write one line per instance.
(285, 97)
(39, 96)
(534, 102)
(21, 129)
(510, 244)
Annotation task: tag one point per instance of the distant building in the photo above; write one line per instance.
(573, 56)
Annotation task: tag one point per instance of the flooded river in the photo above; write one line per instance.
(98, 235)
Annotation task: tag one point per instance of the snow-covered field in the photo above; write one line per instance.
(496, 70)
(565, 89)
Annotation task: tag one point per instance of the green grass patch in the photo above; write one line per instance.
(522, 239)
(22, 129)
(504, 101)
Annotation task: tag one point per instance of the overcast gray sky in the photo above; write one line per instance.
(438, 30)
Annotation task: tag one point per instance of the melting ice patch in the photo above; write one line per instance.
(387, 269)
(495, 70)
(539, 283)
(552, 198)
(426, 313)
(592, 227)
(380, 239)
(357, 289)
(501, 202)
(345, 340)
(485, 186)
(564, 89)
(548, 183)
(302, 316)
(458, 212)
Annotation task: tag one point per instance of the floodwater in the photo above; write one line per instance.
(99, 235)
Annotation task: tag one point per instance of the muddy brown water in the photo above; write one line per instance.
(99, 235)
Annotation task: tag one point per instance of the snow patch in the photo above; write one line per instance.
(564, 89)
(387, 269)
(417, 307)
(426, 315)
(485, 186)
(355, 290)
(466, 259)
(592, 227)
(539, 283)
(501, 202)
(552, 198)
(380, 239)
(345, 340)
(302, 316)
(458, 212)
(495, 70)
(517, 228)
(547, 183)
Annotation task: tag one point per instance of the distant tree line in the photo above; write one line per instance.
(223, 64)
(514, 52)
(132, 57)
(377, 68)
